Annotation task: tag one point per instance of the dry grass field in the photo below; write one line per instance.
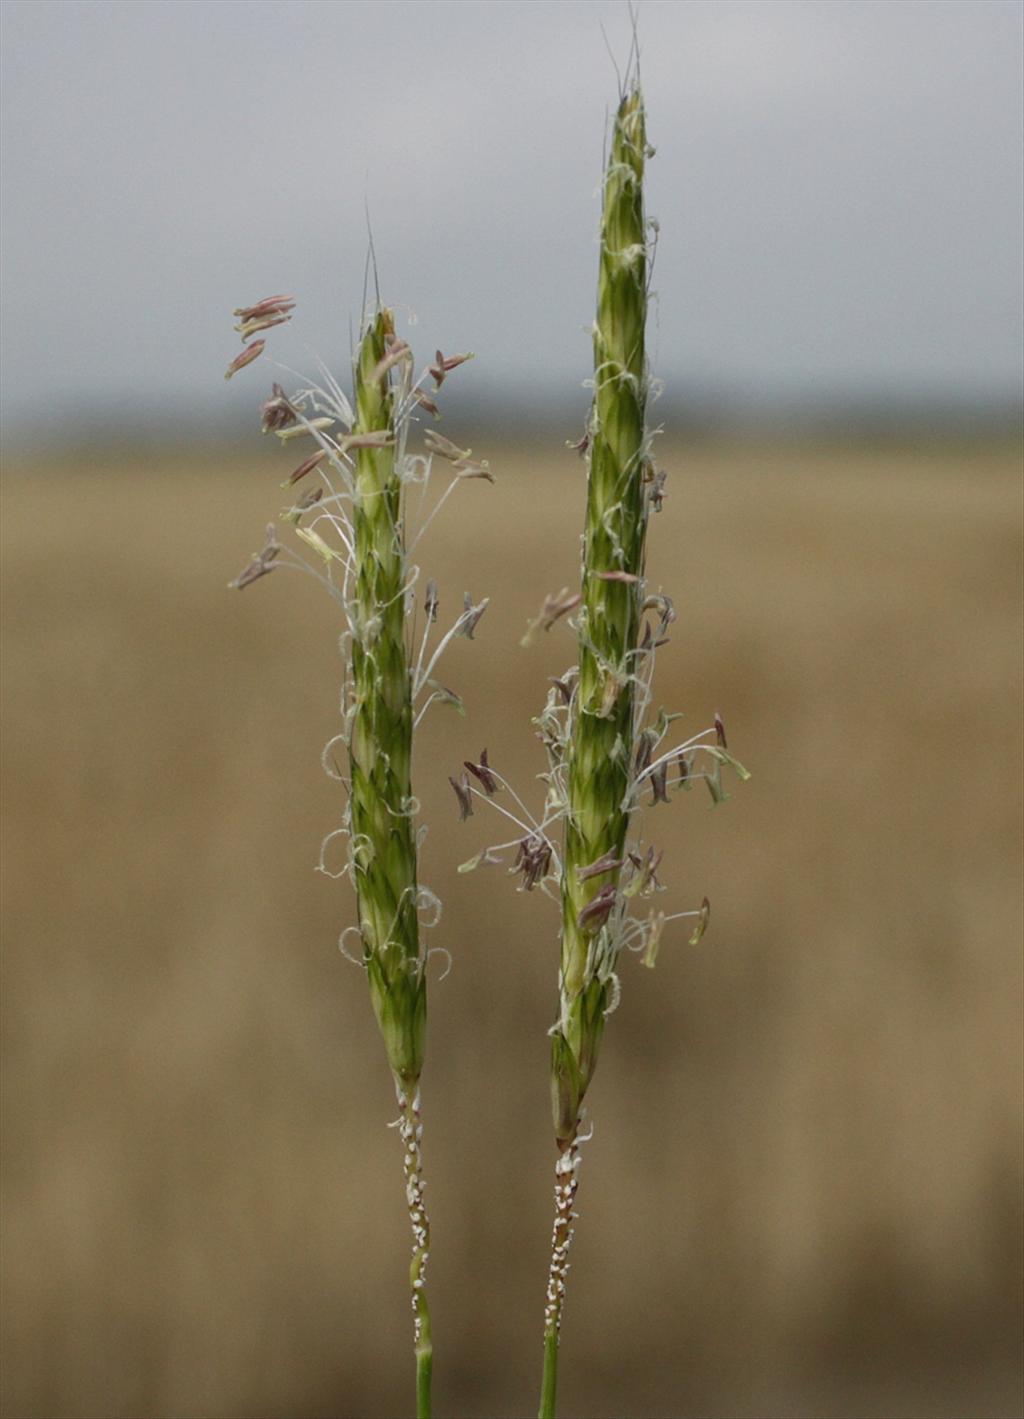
(802, 1196)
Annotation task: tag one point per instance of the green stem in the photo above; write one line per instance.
(424, 1370)
(549, 1380)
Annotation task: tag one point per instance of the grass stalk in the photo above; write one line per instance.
(600, 742)
(353, 519)
(549, 1377)
(605, 748)
(380, 763)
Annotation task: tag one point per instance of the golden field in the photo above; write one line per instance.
(802, 1196)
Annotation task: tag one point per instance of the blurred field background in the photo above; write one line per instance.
(803, 1192)
(802, 1196)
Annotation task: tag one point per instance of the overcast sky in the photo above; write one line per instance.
(838, 187)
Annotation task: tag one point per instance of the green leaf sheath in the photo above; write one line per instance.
(601, 744)
(380, 741)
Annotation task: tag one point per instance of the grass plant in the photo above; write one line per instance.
(597, 751)
(606, 746)
(352, 517)
(606, 751)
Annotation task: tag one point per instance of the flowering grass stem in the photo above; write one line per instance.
(353, 519)
(603, 704)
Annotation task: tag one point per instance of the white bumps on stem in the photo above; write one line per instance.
(566, 1183)
(410, 1131)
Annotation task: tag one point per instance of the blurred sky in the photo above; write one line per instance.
(838, 187)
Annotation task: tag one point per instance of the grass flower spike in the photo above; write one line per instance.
(599, 742)
(599, 748)
(602, 743)
(607, 760)
(351, 517)
(380, 739)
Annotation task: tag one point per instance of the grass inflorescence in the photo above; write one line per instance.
(610, 754)
(351, 516)
(605, 744)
